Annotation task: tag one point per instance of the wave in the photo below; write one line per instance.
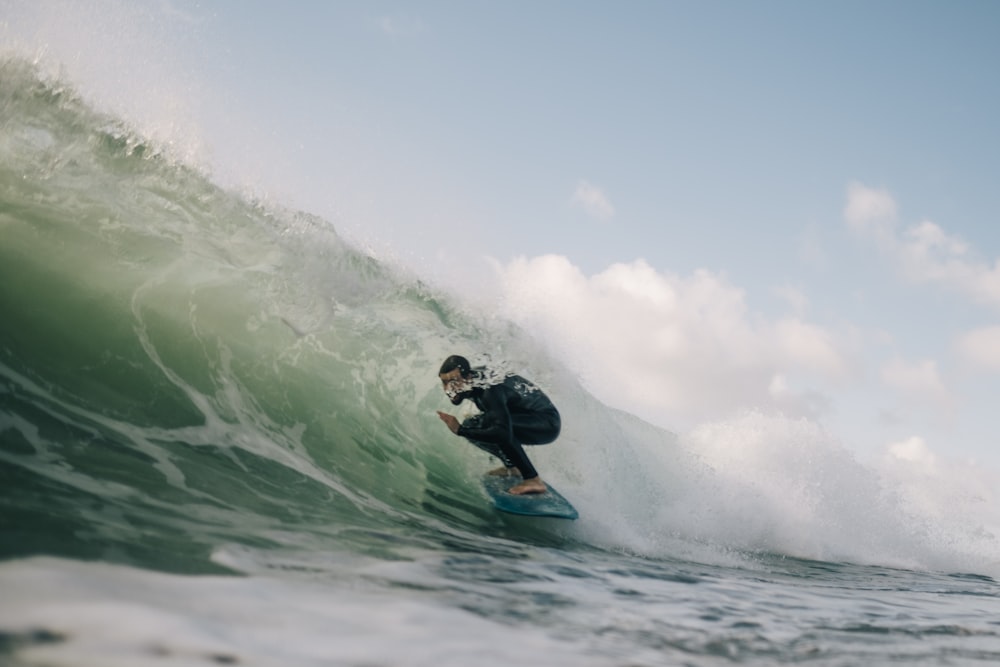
(192, 378)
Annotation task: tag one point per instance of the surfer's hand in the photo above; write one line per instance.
(449, 420)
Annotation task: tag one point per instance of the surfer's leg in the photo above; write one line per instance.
(531, 429)
(512, 456)
(514, 460)
(494, 450)
(514, 453)
(532, 483)
(490, 448)
(538, 428)
(528, 486)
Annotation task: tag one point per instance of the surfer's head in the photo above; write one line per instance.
(456, 374)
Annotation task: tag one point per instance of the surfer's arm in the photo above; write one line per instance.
(450, 420)
(497, 426)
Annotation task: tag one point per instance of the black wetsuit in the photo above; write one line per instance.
(514, 413)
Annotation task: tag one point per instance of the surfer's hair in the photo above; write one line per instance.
(453, 362)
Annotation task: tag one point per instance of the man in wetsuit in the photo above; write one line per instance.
(514, 413)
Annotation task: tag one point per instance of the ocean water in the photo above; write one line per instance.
(218, 446)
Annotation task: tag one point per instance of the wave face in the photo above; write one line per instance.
(184, 367)
(192, 382)
(181, 365)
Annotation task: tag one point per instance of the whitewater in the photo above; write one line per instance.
(218, 445)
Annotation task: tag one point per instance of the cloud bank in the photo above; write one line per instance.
(680, 350)
(673, 349)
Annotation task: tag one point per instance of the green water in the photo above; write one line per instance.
(218, 444)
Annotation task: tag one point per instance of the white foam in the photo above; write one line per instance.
(110, 616)
(766, 483)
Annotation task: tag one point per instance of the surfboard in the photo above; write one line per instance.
(549, 504)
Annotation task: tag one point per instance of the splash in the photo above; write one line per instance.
(208, 369)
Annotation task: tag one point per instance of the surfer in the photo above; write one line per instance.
(514, 413)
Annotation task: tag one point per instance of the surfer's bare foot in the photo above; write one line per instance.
(533, 485)
(503, 471)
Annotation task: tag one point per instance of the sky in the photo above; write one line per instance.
(702, 207)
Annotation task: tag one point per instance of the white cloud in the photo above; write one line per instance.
(869, 210)
(980, 348)
(929, 254)
(918, 381)
(924, 252)
(913, 449)
(593, 200)
(914, 455)
(682, 348)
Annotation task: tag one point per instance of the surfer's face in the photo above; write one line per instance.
(454, 385)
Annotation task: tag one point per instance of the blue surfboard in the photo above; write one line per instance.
(548, 504)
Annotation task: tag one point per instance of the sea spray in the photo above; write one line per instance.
(142, 295)
(195, 384)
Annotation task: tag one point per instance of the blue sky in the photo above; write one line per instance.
(701, 206)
